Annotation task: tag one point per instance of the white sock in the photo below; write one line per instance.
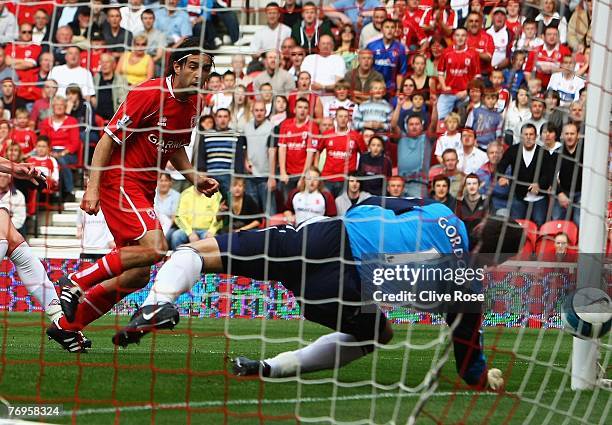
(319, 355)
(35, 279)
(176, 276)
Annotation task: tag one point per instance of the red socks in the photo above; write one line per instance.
(98, 301)
(103, 269)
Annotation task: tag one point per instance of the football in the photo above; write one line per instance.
(587, 313)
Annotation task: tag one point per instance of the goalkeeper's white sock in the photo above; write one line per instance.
(176, 276)
(319, 355)
(35, 279)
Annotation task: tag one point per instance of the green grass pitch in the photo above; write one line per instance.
(190, 364)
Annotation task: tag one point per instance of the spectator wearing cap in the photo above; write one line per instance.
(360, 79)
(117, 38)
(566, 82)
(280, 80)
(73, 72)
(526, 168)
(503, 39)
(470, 157)
(9, 99)
(389, 56)
(545, 60)
(309, 31)
(131, 16)
(480, 41)
(486, 121)
(537, 107)
(7, 71)
(8, 25)
(111, 88)
(271, 36)
(325, 67)
(549, 17)
(440, 191)
(373, 30)
(413, 153)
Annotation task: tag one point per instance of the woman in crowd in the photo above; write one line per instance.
(436, 48)
(422, 82)
(279, 111)
(402, 104)
(240, 108)
(243, 210)
(80, 109)
(166, 203)
(518, 113)
(375, 166)
(137, 66)
(348, 45)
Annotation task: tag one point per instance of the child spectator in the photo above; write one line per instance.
(22, 134)
(535, 86)
(266, 95)
(375, 166)
(45, 163)
(418, 108)
(566, 82)
(486, 121)
(303, 91)
(515, 76)
(309, 200)
(341, 100)
(529, 40)
(280, 110)
(374, 113)
(166, 204)
(451, 139)
(503, 95)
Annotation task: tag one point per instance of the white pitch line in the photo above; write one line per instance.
(217, 403)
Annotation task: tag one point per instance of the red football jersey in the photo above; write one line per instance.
(459, 67)
(545, 61)
(448, 16)
(412, 33)
(25, 11)
(149, 127)
(90, 59)
(297, 140)
(28, 87)
(48, 166)
(292, 100)
(341, 156)
(482, 42)
(25, 138)
(19, 50)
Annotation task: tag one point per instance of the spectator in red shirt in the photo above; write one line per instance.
(479, 40)
(342, 146)
(546, 59)
(32, 80)
(440, 18)
(22, 55)
(45, 163)
(457, 67)
(21, 134)
(296, 146)
(63, 133)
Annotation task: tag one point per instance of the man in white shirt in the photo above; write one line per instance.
(130, 16)
(280, 80)
(73, 73)
(501, 39)
(566, 83)
(470, 157)
(270, 37)
(373, 30)
(325, 68)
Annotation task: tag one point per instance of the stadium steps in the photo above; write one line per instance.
(59, 231)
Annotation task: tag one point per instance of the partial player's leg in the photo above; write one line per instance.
(330, 351)
(102, 297)
(34, 277)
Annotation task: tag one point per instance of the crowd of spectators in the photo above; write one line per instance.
(477, 104)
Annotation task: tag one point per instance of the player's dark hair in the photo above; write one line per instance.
(497, 235)
(190, 46)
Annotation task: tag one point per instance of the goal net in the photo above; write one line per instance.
(186, 375)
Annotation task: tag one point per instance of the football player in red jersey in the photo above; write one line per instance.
(150, 128)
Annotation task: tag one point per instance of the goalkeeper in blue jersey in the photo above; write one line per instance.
(320, 261)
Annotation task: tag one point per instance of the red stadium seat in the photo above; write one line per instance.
(531, 229)
(552, 228)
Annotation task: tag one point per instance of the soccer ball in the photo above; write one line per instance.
(587, 313)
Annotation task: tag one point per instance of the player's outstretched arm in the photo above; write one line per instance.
(101, 157)
(22, 171)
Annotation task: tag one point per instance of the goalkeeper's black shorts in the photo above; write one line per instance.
(314, 261)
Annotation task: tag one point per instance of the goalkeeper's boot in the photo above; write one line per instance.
(72, 341)
(242, 366)
(69, 297)
(146, 319)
